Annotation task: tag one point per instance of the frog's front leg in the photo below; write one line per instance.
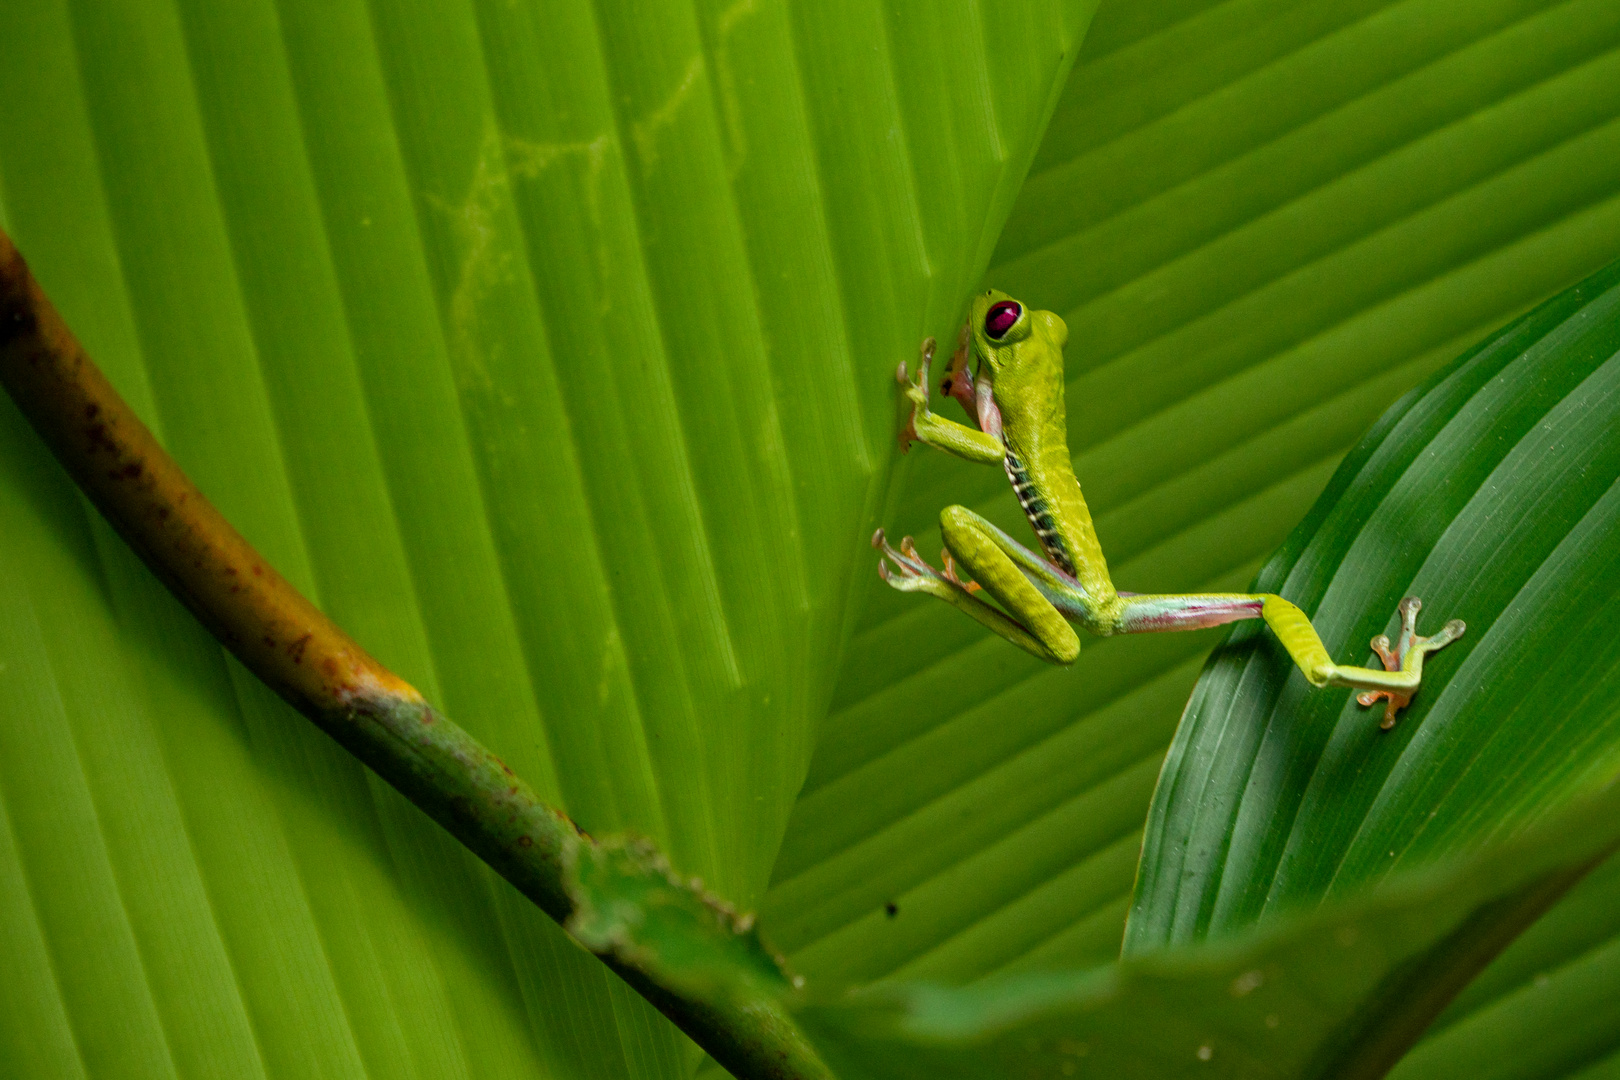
(1403, 667)
(927, 426)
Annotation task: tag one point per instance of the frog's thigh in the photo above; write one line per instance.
(973, 541)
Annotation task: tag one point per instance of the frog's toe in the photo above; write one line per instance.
(1397, 701)
(905, 559)
(955, 578)
(904, 569)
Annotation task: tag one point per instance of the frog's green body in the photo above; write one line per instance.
(1017, 397)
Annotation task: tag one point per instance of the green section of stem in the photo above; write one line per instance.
(463, 786)
(717, 963)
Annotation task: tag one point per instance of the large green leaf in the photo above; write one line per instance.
(1497, 489)
(1263, 222)
(1495, 495)
(1276, 1003)
(548, 347)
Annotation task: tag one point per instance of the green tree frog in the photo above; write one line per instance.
(1017, 396)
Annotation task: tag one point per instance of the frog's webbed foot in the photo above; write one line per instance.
(1396, 659)
(910, 573)
(916, 392)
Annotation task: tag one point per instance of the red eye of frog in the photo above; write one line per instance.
(1000, 319)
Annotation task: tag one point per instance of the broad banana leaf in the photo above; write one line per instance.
(1152, 123)
(549, 348)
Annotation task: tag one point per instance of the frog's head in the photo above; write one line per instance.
(1012, 342)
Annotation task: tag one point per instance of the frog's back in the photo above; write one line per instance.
(1030, 393)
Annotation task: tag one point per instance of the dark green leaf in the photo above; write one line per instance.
(1494, 494)
(1405, 860)
(1546, 1007)
(1273, 1003)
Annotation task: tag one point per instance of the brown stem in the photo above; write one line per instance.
(323, 673)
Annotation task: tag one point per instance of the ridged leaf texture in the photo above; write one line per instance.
(370, 269)
(1495, 494)
(1263, 223)
(1312, 889)
(548, 347)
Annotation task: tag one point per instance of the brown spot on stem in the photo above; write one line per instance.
(269, 642)
(91, 410)
(96, 433)
(296, 649)
(130, 471)
(525, 841)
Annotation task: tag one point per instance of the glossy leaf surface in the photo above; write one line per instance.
(1405, 860)
(1494, 494)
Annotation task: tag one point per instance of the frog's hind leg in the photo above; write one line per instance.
(911, 573)
(1403, 666)
(984, 552)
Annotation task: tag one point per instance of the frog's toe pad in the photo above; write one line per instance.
(908, 573)
(1397, 702)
